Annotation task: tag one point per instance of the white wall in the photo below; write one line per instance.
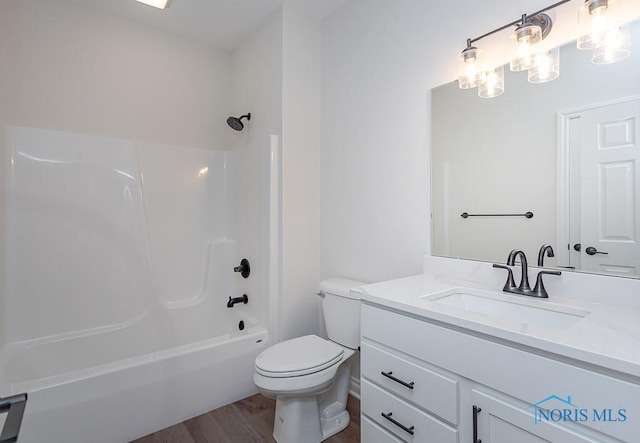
(5, 181)
(380, 59)
(69, 68)
(301, 84)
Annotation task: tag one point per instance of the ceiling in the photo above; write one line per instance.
(222, 24)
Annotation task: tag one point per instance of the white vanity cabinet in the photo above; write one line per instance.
(501, 420)
(422, 379)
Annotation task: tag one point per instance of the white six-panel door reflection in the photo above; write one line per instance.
(610, 194)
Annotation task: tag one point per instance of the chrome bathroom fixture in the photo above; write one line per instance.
(236, 122)
(600, 30)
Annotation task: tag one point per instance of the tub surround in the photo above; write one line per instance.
(491, 358)
(121, 257)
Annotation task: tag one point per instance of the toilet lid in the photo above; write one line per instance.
(298, 356)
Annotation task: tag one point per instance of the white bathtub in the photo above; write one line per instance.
(72, 399)
(116, 263)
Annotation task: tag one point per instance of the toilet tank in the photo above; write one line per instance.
(341, 311)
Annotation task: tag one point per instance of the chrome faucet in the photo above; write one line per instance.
(524, 288)
(544, 249)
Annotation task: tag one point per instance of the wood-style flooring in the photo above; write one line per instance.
(246, 421)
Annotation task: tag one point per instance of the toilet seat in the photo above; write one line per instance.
(298, 357)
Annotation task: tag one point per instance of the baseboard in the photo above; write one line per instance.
(354, 387)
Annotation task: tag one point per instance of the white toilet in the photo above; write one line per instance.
(309, 376)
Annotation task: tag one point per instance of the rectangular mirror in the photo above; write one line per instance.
(567, 151)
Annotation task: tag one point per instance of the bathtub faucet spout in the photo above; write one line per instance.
(232, 301)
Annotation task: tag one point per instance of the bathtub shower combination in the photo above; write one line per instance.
(116, 267)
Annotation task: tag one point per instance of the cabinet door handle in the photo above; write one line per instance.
(397, 380)
(408, 430)
(476, 411)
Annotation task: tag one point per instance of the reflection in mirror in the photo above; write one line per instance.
(566, 150)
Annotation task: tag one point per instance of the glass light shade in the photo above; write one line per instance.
(470, 72)
(547, 67)
(492, 84)
(526, 39)
(595, 19)
(615, 46)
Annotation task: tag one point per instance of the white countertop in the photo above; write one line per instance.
(609, 336)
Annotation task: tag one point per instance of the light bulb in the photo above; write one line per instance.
(470, 71)
(546, 68)
(614, 47)
(595, 20)
(526, 39)
(492, 84)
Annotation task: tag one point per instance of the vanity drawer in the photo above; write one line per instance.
(376, 402)
(427, 389)
(370, 432)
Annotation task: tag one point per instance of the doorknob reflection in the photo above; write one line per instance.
(593, 251)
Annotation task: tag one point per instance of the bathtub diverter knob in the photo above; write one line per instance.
(244, 269)
(232, 301)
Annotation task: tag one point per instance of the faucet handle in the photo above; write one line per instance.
(510, 285)
(539, 289)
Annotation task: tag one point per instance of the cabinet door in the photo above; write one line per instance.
(370, 432)
(499, 421)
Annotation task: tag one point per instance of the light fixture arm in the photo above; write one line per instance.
(526, 18)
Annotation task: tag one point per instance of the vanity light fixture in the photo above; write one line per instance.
(601, 32)
(609, 41)
(470, 72)
(594, 22)
(160, 4)
(527, 38)
(528, 53)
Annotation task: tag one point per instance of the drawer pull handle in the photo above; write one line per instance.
(398, 424)
(476, 411)
(397, 380)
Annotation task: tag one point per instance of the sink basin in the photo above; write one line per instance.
(511, 308)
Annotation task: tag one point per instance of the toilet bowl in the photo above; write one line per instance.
(309, 376)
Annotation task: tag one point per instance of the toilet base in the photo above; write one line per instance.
(313, 418)
(297, 421)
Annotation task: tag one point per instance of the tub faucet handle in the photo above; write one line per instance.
(244, 269)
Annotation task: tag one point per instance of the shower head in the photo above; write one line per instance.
(236, 122)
